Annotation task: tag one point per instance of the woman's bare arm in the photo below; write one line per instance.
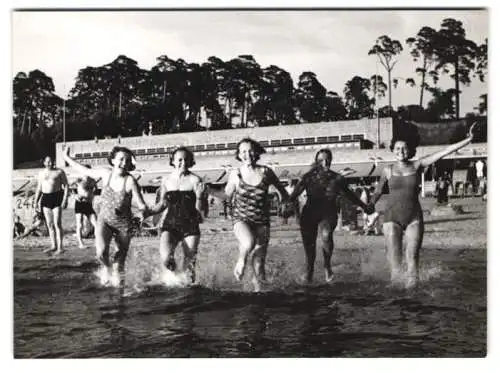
(434, 157)
(380, 187)
(93, 173)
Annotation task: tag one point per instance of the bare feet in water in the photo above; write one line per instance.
(328, 275)
(239, 269)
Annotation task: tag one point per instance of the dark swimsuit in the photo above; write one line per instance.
(322, 193)
(402, 205)
(182, 219)
(84, 207)
(52, 200)
(115, 209)
(251, 203)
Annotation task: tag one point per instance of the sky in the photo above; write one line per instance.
(334, 44)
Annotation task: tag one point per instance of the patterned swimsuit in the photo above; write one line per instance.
(251, 203)
(115, 209)
(322, 193)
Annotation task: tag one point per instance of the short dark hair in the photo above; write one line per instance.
(412, 143)
(256, 147)
(189, 154)
(326, 151)
(128, 152)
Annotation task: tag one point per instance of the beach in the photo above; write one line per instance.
(61, 310)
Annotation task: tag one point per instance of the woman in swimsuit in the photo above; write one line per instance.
(249, 187)
(115, 214)
(319, 214)
(181, 194)
(403, 213)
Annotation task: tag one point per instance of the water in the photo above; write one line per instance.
(61, 311)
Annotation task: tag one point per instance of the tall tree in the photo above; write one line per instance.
(441, 105)
(274, 104)
(386, 49)
(357, 98)
(454, 50)
(482, 61)
(309, 95)
(422, 47)
(333, 107)
(379, 88)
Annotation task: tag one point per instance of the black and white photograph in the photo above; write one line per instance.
(249, 183)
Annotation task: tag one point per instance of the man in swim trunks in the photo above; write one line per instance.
(51, 197)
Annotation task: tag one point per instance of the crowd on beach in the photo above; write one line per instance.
(182, 203)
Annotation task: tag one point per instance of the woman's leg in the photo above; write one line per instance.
(326, 228)
(168, 243)
(414, 236)
(79, 228)
(309, 233)
(122, 240)
(246, 242)
(190, 247)
(393, 234)
(258, 255)
(103, 235)
(49, 219)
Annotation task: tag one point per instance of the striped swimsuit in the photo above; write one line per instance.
(251, 203)
(115, 209)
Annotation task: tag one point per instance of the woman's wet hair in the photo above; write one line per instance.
(326, 151)
(315, 165)
(412, 143)
(256, 147)
(128, 152)
(189, 156)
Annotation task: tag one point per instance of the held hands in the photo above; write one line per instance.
(199, 188)
(288, 209)
(369, 209)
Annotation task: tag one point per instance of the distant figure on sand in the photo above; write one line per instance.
(85, 189)
(181, 193)
(403, 214)
(115, 213)
(50, 198)
(19, 227)
(249, 185)
(319, 214)
(38, 220)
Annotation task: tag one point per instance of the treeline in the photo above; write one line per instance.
(121, 99)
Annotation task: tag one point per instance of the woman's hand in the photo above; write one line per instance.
(369, 208)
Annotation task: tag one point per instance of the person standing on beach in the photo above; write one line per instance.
(181, 194)
(248, 189)
(115, 213)
(51, 197)
(319, 215)
(403, 213)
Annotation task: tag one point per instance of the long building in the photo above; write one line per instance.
(290, 150)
